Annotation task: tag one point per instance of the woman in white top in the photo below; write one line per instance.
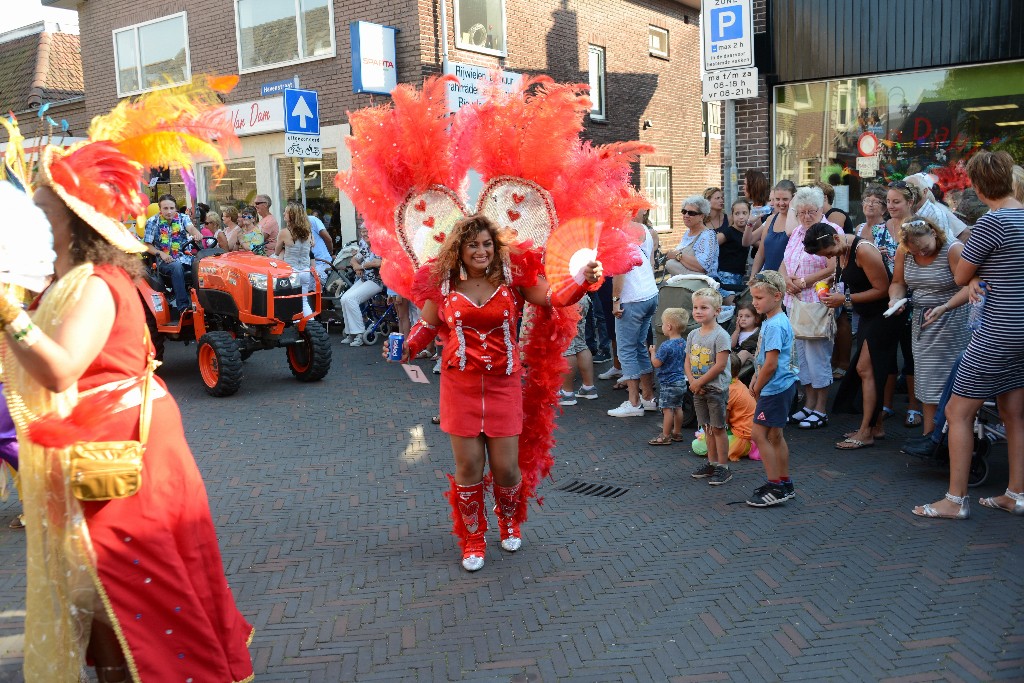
(698, 249)
(293, 245)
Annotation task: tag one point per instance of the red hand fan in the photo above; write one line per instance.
(568, 251)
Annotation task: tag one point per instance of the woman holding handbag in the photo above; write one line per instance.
(814, 327)
(123, 566)
(860, 268)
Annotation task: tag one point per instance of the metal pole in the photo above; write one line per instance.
(731, 170)
(444, 36)
(302, 173)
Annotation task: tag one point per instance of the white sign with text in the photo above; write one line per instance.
(728, 29)
(258, 116)
(473, 80)
(729, 84)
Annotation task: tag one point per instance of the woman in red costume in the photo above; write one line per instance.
(134, 585)
(475, 296)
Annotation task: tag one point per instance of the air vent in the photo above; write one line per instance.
(599, 490)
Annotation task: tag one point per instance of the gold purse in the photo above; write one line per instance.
(104, 470)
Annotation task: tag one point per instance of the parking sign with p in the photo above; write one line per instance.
(728, 34)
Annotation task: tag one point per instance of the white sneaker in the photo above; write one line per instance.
(610, 373)
(627, 409)
(649, 405)
(437, 367)
(358, 341)
(566, 398)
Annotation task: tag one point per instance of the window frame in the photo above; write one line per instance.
(715, 105)
(651, 28)
(298, 36)
(664, 226)
(476, 48)
(601, 114)
(134, 28)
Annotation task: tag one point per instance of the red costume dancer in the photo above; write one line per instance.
(135, 584)
(472, 272)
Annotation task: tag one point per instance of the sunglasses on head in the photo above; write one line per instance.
(899, 184)
(688, 212)
(763, 279)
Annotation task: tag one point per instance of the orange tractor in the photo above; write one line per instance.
(241, 303)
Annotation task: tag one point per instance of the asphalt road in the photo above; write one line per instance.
(327, 499)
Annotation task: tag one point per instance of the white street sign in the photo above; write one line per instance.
(472, 82)
(729, 84)
(304, 146)
(867, 167)
(728, 29)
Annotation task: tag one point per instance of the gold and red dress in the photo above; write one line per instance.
(481, 383)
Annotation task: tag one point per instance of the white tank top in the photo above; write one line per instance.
(296, 255)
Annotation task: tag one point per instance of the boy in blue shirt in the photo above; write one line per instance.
(774, 386)
(669, 362)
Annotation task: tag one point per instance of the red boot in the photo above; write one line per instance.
(510, 506)
(469, 517)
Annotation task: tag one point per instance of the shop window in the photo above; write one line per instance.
(237, 188)
(275, 32)
(152, 55)
(595, 61)
(712, 112)
(659, 193)
(321, 193)
(657, 41)
(480, 26)
(930, 120)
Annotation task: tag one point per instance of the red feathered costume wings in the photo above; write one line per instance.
(531, 138)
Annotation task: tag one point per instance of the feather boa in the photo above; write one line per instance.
(83, 423)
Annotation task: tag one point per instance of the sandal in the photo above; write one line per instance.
(838, 373)
(815, 420)
(963, 513)
(914, 419)
(1017, 498)
(19, 521)
(619, 385)
(661, 440)
(435, 420)
(799, 416)
(677, 437)
(852, 445)
(887, 412)
(876, 437)
(423, 355)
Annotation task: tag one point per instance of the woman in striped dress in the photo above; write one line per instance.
(924, 264)
(992, 364)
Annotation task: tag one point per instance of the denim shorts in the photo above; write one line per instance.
(773, 410)
(671, 396)
(734, 279)
(631, 332)
(710, 407)
(815, 359)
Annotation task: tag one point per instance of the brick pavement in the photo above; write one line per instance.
(327, 499)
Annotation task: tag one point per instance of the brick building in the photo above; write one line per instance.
(643, 58)
(40, 64)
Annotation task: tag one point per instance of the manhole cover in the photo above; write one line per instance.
(586, 489)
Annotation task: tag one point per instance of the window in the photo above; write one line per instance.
(713, 118)
(806, 172)
(595, 56)
(321, 192)
(276, 32)
(237, 188)
(657, 41)
(152, 55)
(659, 193)
(480, 26)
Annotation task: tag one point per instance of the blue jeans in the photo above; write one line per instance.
(631, 332)
(940, 411)
(597, 329)
(176, 269)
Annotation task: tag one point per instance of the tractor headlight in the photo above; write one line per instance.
(258, 280)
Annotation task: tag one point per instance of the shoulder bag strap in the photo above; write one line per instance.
(145, 411)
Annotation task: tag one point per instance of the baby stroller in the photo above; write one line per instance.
(339, 277)
(380, 318)
(677, 292)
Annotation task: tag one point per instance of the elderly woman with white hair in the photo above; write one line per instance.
(801, 271)
(698, 249)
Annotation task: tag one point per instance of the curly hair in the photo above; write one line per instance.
(88, 246)
(918, 226)
(297, 222)
(450, 257)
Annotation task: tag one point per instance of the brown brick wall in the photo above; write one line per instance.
(546, 36)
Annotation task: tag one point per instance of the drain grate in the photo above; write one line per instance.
(599, 490)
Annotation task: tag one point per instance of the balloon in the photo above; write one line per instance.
(152, 210)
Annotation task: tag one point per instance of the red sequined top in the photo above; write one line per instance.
(482, 338)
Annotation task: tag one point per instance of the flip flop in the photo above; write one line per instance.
(677, 437)
(914, 419)
(619, 385)
(661, 440)
(877, 437)
(852, 445)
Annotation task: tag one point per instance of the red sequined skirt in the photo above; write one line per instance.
(473, 402)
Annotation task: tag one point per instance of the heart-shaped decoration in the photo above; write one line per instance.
(421, 236)
(518, 198)
(513, 215)
(507, 199)
(470, 516)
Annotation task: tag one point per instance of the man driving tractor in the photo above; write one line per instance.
(168, 236)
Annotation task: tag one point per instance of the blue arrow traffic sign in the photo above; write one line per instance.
(301, 112)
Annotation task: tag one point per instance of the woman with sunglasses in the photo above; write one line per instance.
(900, 201)
(991, 365)
(251, 237)
(698, 249)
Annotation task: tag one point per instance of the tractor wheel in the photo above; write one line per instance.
(310, 358)
(220, 363)
(156, 337)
